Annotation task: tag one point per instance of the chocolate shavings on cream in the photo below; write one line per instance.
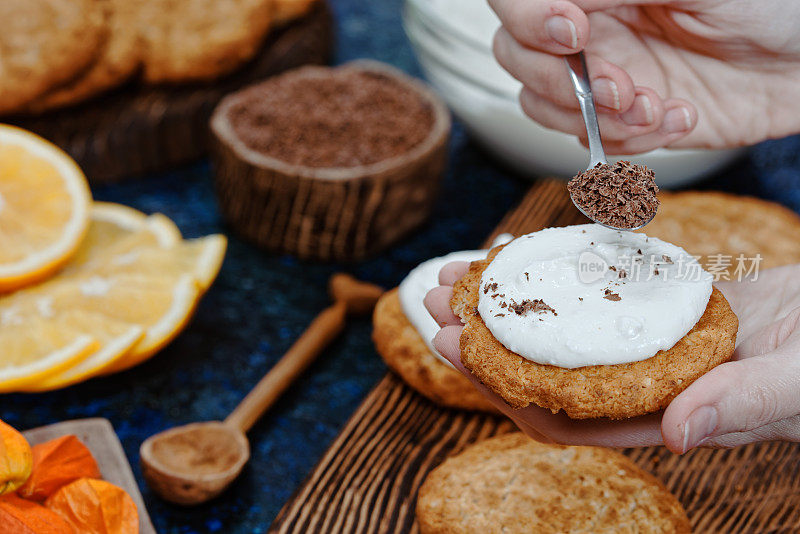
(527, 305)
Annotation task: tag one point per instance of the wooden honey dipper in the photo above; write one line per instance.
(193, 463)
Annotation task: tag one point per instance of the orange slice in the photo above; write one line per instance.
(130, 288)
(34, 349)
(44, 208)
(114, 340)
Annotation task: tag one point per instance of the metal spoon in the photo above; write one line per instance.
(579, 74)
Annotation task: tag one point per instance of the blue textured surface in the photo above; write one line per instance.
(260, 303)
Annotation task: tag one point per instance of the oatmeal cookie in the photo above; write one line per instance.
(45, 43)
(615, 391)
(511, 484)
(712, 223)
(404, 351)
(186, 40)
(117, 63)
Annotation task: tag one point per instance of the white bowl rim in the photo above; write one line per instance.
(423, 7)
(453, 66)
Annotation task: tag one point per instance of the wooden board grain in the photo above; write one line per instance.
(140, 129)
(367, 481)
(99, 436)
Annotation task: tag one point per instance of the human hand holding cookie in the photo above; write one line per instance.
(753, 398)
(619, 404)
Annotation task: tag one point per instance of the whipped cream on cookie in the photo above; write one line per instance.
(423, 278)
(588, 295)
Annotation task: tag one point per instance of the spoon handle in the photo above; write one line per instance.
(322, 330)
(579, 74)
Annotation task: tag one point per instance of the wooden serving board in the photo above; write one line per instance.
(139, 129)
(367, 481)
(99, 436)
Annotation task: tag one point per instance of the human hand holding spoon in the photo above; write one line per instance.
(621, 196)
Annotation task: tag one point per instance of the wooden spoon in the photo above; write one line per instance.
(194, 463)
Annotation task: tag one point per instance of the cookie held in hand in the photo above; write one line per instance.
(647, 343)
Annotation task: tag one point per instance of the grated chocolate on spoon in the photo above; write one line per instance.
(622, 195)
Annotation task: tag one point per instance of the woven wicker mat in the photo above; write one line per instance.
(368, 479)
(137, 129)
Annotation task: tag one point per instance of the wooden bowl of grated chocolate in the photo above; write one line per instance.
(331, 164)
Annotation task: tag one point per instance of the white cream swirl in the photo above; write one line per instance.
(423, 278)
(588, 295)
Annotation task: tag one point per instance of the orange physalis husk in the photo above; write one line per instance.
(16, 459)
(95, 507)
(20, 516)
(57, 463)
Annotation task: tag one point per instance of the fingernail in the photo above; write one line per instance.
(677, 120)
(700, 424)
(605, 93)
(562, 30)
(641, 112)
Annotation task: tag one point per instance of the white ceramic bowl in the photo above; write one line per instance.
(455, 55)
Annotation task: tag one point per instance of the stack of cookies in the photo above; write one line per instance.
(60, 52)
